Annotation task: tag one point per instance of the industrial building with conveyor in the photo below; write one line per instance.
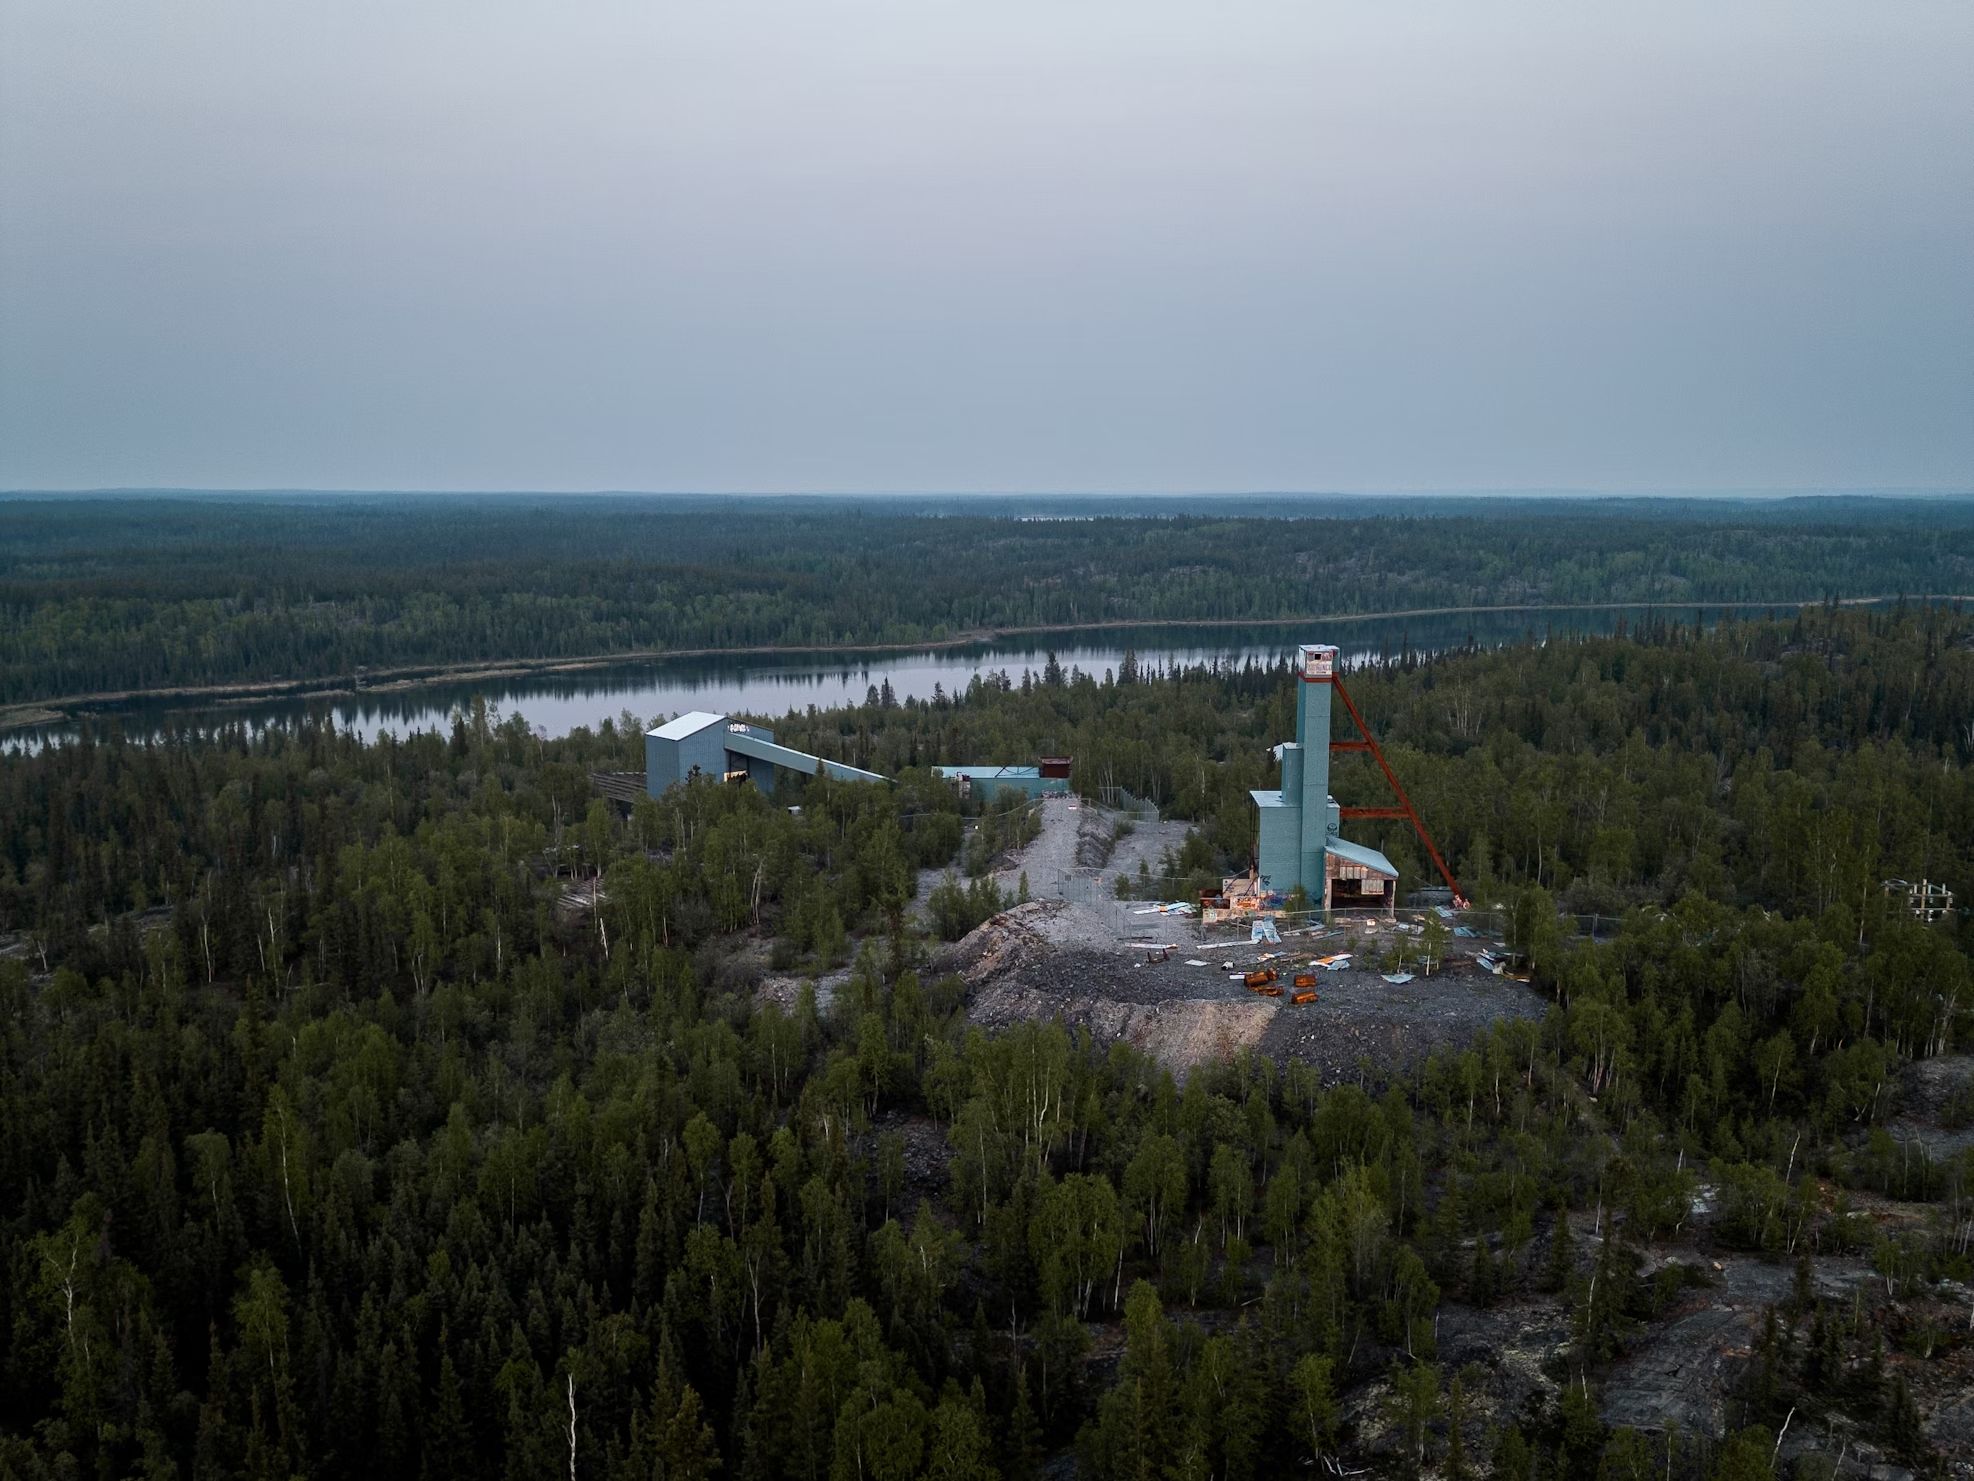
(701, 744)
(718, 748)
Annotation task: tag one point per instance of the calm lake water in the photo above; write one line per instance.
(771, 686)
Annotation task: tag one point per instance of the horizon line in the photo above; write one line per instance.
(1536, 492)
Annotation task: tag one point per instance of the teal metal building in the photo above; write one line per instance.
(987, 782)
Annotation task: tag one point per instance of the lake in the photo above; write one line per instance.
(769, 686)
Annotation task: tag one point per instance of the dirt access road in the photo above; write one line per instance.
(1073, 859)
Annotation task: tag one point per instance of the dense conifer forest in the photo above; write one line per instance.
(106, 595)
(336, 1142)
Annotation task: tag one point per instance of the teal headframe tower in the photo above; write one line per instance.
(1299, 820)
(1318, 665)
(1301, 836)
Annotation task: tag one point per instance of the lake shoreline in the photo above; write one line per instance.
(30, 714)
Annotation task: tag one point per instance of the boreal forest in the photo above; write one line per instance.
(407, 1109)
(104, 596)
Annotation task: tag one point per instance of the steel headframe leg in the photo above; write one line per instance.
(1405, 809)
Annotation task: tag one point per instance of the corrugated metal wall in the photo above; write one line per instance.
(670, 761)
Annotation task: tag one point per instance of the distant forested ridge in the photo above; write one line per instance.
(120, 593)
(338, 1142)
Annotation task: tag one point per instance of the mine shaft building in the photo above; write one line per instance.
(1300, 838)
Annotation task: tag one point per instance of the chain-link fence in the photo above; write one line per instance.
(1118, 800)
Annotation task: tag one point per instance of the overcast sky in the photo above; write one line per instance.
(999, 244)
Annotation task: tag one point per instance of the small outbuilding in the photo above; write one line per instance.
(1048, 777)
(1358, 877)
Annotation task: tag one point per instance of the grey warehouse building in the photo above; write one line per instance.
(702, 744)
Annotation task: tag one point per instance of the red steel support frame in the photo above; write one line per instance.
(1404, 809)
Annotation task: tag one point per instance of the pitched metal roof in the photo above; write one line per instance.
(690, 723)
(1361, 854)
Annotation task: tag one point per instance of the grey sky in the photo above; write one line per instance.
(1006, 244)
